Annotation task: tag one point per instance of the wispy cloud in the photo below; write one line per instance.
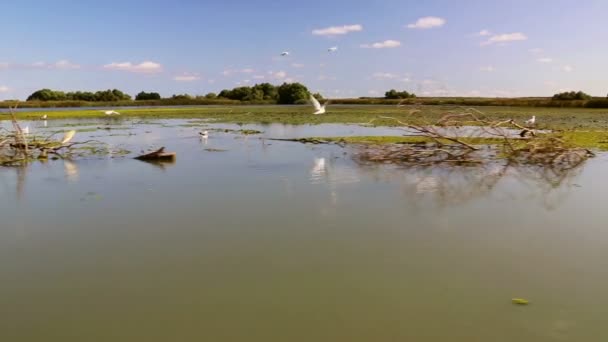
(567, 68)
(505, 38)
(387, 44)
(337, 30)
(146, 67)
(277, 75)
(229, 72)
(65, 64)
(487, 68)
(384, 75)
(187, 77)
(259, 77)
(427, 23)
(483, 33)
(544, 60)
(326, 78)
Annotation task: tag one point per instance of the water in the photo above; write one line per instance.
(279, 241)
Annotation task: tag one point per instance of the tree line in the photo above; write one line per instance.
(286, 93)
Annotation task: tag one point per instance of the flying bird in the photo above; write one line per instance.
(318, 108)
(68, 136)
(110, 112)
(531, 121)
(285, 53)
(333, 49)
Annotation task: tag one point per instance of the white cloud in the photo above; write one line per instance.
(567, 68)
(4, 89)
(487, 68)
(427, 23)
(483, 33)
(337, 30)
(544, 60)
(277, 75)
(384, 75)
(505, 38)
(387, 44)
(145, 67)
(297, 65)
(229, 72)
(187, 78)
(247, 71)
(39, 65)
(65, 64)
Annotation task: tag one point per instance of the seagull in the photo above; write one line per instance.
(204, 134)
(318, 108)
(26, 130)
(285, 53)
(67, 137)
(532, 121)
(44, 117)
(333, 49)
(110, 112)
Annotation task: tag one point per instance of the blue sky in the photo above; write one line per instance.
(434, 48)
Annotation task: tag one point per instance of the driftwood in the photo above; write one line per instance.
(159, 154)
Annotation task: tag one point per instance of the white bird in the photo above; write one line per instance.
(333, 49)
(26, 130)
(68, 136)
(285, 53)
(318, 108)
(531, 121)
(110, 112)
(204, 134)
(44, 117)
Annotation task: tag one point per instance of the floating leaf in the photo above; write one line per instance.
(520, 301)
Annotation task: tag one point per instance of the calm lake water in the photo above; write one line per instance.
(279, 241)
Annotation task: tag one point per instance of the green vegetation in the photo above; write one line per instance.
(147, 96)
(99, 96)
(572, 95)
(393, 94)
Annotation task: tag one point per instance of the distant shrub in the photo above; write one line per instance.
(572, 95)
(142, 96)
(393, 94)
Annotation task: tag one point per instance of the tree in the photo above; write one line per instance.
(47, 95)
(211, 96)
(181, 97)
(290, 93)
(393, 94)
(147, 96)
(268, 90)
(571, 95)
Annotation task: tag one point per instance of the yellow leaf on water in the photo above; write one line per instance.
(520, 301)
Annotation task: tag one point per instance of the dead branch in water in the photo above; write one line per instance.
(520, 144)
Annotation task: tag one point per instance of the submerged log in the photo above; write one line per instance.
(159, 154)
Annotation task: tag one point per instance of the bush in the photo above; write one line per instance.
(290, 93)
(142, 96)
(571, 95)
(393, 94)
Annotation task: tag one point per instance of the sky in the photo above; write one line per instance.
(433, 48)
